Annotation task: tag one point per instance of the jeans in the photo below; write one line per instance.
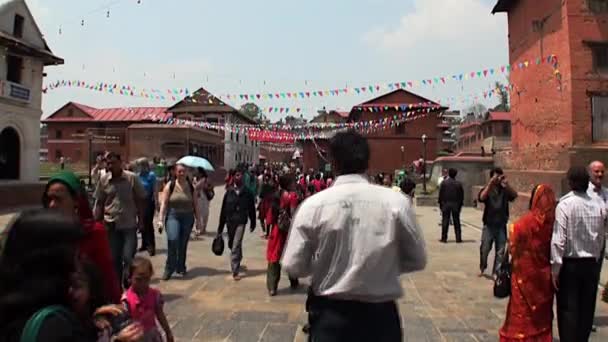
(492, 234)
(123, 243)
(235, 243)
(578, 279)
(178, 226)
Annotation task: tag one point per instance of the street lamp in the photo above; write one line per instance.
(424, 137)
(403, 157)
(90, 139)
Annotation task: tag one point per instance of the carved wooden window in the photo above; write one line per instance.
(598, 6)
(599, 107)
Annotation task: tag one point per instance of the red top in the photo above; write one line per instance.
(278, 238)
(95, 247)
(319, 184)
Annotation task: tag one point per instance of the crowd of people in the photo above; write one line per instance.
(69, 272)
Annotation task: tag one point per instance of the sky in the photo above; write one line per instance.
(249, 46)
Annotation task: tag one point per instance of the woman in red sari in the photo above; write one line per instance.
(287, 202)
(530, 312)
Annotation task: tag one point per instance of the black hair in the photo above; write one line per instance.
(532, 196)
(112, 155)
(318, 176)
(350, 152)
(37, 262)
(138, 262)
(285, 181)
(407, 185)
(311, 188)
(578, 177)
(202, 173)
(496, 171)
(452, 173)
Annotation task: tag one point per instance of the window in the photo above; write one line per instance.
(231, 136)
(506, 129)
(58, 134)
(598, 6)
(600, 57)
(18, 26)
(14, 68)
(599, 123)
(58, 154)
(237, 137)
(245, 139)
(400, 128)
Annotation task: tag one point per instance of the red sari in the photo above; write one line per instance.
(530, 312)
(278, 238)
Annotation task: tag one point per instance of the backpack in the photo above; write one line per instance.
(32, 326)
(284, 219)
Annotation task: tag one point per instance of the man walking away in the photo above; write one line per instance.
(237, 207)
(495, 196)
(148, 180)
(451, 199)
(361, 238)
(119, 200)
(576, 249)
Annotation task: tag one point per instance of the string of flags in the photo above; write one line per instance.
(176, 93)
(278, 147)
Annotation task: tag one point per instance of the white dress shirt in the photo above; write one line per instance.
(355, 239)
(579, 230)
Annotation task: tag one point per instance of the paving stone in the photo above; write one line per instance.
(279, 332)
(247, 331)
(259, 316)
(187, 327)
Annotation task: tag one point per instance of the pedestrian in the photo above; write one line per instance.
(62, 162)
(119, 198)
(64, 194)
(266, 194)
(387, 180)
(354, 240)
(451, 200)
(495, 196)
(444, 176)
(530, 311)
(204, 193)
(145, 304)
(148, 180)
(99, 169)
(408, 188)
(178, 208)
(576, 249)
(37, 268)
(238, 206)
(282, 214)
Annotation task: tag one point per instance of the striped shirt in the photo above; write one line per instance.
(579, 230)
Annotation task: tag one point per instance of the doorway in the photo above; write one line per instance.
(10, 148)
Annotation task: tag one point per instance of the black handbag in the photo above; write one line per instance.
(502, 282)
(217, 247)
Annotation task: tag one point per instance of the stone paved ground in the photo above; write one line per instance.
(446, 302)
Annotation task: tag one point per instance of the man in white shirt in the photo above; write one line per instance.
(354, 239)
(576, 249)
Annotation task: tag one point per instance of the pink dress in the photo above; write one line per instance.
(143, 310)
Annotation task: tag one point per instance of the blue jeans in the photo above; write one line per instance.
(178, 227)
(492, 234)
(123, 243)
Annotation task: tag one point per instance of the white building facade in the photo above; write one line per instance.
(238, 148)
(23, 56)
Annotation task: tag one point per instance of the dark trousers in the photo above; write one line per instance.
(147, 234)
(448, 211)
(123, 245)
(350, 321)
(273, 276)
(578, 280)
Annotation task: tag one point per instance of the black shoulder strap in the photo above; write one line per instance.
(171, 186)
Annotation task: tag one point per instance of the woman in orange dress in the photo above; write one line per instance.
(530, 311)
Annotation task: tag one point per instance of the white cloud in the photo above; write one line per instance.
(443, 24)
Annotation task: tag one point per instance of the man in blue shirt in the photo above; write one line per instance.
(148, 180)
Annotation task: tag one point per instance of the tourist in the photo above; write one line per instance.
(530, 310)
(250, 180)
(282, 213)
(408, 188)
(576, 248)
(238, 206)
(230, 178)
(495, 196)
(451, 200)
(119, 197)
(64, 194)
(99, 169)
(444, 176)
(145, 303)
(204, 193)
(148, 180)
(369, 237)
(37, 268)
(178, 208)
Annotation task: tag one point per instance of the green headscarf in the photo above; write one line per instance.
(69, 179)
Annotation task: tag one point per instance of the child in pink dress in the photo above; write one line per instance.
(145, 304)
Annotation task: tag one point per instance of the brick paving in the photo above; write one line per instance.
(446, 302)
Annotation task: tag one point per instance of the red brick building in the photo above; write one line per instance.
(473, 135)
(391, 148)
(559, 108)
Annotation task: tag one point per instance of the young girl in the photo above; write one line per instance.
(145, 304)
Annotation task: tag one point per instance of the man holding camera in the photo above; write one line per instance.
(495, 196)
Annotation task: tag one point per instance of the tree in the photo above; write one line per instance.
(503, 93)
(477, 109)
(252, 111)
